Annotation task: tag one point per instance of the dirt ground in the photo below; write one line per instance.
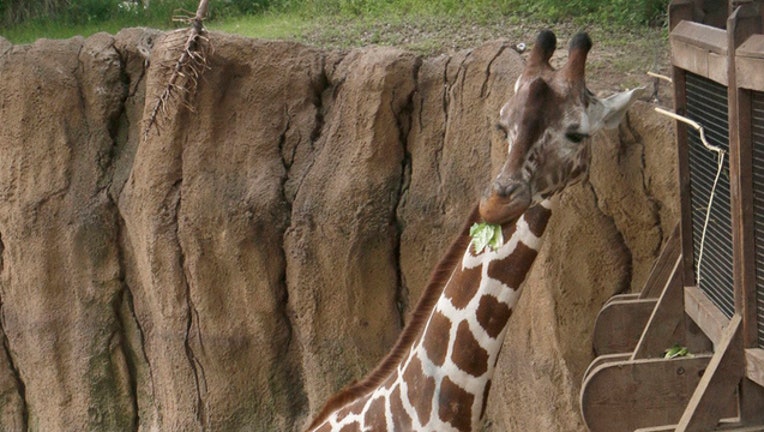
(620, 58)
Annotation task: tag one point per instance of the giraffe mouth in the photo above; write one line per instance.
(504, 203)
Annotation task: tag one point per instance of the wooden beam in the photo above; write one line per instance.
(750, 62)
(683, 177)
(663, 267)
(680, 10)
(754, 365)
(663, 428)
(626, 395)
(664, 327)
(719, 382)
(700, 49)
(742, 24)
(705, 314)
(620, 324)
(607, 358)
(721, 428)
(752, 388)
(622, 297)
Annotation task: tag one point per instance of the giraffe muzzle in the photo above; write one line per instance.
(504, 201)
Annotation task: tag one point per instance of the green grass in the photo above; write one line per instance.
(86, 17)
(339, 22)
(29, 32)
(269, 25)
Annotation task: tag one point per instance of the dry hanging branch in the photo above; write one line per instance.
(186, 71)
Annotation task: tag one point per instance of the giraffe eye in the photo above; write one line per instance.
(575, 137)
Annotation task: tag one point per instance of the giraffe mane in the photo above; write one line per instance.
(419, 317)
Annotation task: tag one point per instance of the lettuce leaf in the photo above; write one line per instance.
(485, 235)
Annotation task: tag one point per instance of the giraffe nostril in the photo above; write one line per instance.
(503, 189)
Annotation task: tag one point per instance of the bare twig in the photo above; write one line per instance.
(186, 71)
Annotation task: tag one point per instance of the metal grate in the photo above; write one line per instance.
(757, 126)
(707, 104)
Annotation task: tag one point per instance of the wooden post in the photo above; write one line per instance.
(744, 21)
(718, 383)
(679, 10)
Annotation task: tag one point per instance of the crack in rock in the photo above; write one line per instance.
(14, 368)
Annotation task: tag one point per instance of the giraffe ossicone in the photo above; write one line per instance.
(438, 375)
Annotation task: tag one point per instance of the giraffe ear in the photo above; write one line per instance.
(609, 112)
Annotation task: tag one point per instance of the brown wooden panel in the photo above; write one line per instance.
(664, 327)
(607, 358)
(620, 324)
(700, 49)
(732, 427)
(749, 63)
(680, 10)
(626, 395)
(704, 313)
(754, 365)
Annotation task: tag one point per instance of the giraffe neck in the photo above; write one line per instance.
(443, 377)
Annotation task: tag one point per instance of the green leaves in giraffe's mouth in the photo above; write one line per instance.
(485, 235)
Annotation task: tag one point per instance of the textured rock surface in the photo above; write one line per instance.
(234, 269)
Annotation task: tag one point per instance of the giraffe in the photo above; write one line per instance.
(438, 375)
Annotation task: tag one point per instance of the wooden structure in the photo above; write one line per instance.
(717, 52)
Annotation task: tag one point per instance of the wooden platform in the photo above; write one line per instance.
(631, 387)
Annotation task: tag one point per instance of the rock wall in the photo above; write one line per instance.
(249, 258)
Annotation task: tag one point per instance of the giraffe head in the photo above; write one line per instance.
(548, 124)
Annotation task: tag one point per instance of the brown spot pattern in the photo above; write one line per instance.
(375, 415)
(513, 269)
(455, 405)
(354, 427)
(537, 218)
(401, 420)
(492, 315)
(436, 338)
(463, 286)
(468, 355)
(420, 389)
(354, 408)
(508, 231)
(326, 427)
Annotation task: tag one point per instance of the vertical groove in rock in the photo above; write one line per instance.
(404, 122)
(461, 75)
(654, 203)
(623, 285)
(484, 90)
(133, 354)
(446, 102)
(290, 186)
(283, 302)
(20, 387)
(192, 323)
(123, 299)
